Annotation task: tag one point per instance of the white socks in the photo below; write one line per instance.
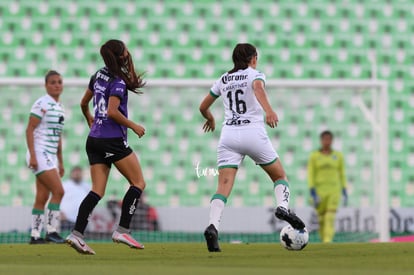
(53, 219)
(282, 193)
(216, 209)
(37, 225)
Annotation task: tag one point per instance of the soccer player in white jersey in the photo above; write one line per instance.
(44, 157)
(243, 133)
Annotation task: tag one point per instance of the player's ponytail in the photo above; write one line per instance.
(112, 53)
(242, 55)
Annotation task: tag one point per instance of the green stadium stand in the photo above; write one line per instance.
(194, 39)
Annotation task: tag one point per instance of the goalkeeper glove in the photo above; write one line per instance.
(345, 196)
(315, 197)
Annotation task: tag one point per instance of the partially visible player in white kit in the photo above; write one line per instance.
(244, 98)
(44, 157)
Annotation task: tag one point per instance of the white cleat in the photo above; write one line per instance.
(79, 244)
(127, 239)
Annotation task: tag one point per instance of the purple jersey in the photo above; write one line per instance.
(103, 85)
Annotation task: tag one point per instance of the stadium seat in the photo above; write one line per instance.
(194, 39)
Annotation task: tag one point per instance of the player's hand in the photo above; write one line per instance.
(272, 119)
(345, 197)
(90, 121)
(315, 198)
(33, 163)
(139, 130)
(61, 170)
(210, 125)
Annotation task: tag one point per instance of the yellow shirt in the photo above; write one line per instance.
(326, 172)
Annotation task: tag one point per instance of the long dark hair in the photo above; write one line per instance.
(112, 53)
(242, 55)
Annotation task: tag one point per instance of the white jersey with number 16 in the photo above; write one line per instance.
(240, 104)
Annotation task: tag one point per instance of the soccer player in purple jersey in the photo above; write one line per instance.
(107, 141)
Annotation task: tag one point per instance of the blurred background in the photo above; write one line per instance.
(176, 41)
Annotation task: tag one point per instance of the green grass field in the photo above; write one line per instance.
(192, 258)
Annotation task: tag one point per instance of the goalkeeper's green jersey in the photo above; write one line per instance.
(326, 172)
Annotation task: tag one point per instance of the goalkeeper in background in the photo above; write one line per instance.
(326, 178)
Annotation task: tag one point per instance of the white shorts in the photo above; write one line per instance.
(45, 162)
(236, 143)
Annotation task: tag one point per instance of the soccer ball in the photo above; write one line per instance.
(293, 239)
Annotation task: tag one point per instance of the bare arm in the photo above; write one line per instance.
(118, 117)
(261, 96)
(204, 108)
(84, 104)
(31, 126)
(60, 158)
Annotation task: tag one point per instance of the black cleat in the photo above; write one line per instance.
(54, 237)
(290, 217)
(34, 240)
(211, 236)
